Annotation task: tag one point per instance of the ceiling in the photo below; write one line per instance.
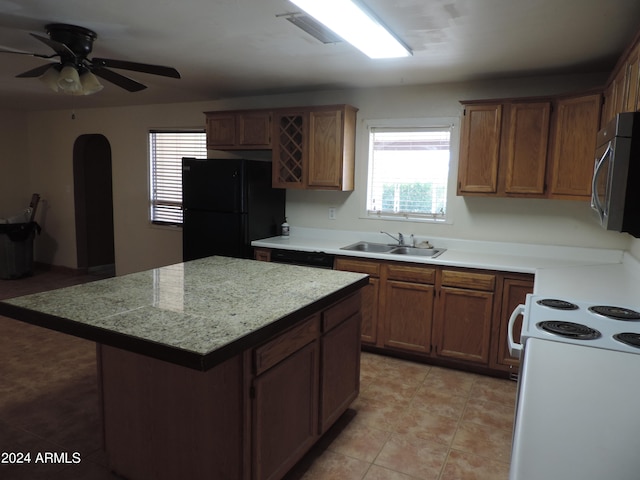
(230, 48)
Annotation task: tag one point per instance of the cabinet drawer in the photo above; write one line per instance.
(409, 273)
(338, 313)
(285, 344)
(475, 281)
(358, 266)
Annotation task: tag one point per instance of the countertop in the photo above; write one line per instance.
(196, 314)
(590, 274)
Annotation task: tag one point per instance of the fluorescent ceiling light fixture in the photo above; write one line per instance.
(357, 26)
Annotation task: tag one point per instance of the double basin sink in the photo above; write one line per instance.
(394, 249)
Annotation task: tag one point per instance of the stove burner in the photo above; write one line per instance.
(569, 329)
(557, 304)
(631, 339)
(617, 313)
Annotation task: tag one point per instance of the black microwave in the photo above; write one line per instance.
(615, 192)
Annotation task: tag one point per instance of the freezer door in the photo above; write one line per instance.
(215, 185)
(212, 233)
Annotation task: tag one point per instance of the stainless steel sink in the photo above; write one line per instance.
(419, 252)
(393, 249)
(369, 247)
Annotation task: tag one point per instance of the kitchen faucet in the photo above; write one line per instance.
(400, 238)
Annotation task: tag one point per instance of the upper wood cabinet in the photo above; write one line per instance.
(537, 147)
(480, 149)
(622, 93)
(504, 148)
(291, 129)
(314, 148)
(525, 154)
(633, 81)
(239, 130)
(575, 126)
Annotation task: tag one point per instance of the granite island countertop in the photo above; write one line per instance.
(196, 314)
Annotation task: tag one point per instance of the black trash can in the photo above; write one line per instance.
(16, 249)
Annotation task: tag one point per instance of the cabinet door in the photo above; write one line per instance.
(514, 292)
(370, 294)
(285, 413)
(340, 374)
(525, 153)
(254, 129)
(369, 327)
(221, 130)
(480, 149)
(463, 327)
(408, 315)
(325, 149)
(574, 142)
(633, 81)
(619, 98)
(289, 149)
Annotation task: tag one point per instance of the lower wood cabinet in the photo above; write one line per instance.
(285, 413)
(514, 290)
(408, 315)
(465, 311)
(457, 316)
(340, 372)
(304, 380)
(463, 328)
(370, 294)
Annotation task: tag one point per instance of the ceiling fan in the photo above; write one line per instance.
(75, 72)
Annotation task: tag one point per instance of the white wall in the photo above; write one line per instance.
(139, 245)
(15, 193)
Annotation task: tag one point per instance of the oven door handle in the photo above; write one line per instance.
(515, 349)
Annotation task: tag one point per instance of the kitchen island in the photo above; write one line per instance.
(215, 368)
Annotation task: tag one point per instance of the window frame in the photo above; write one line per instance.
(420, 123)
(152, 177)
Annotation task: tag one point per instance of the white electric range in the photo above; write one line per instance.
(578, 391)
(612, 327)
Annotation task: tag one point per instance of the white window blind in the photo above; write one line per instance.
(408, 172)
(166, 149)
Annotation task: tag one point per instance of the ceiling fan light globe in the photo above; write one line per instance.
(50, 79)
(90, 84)
(69, 80)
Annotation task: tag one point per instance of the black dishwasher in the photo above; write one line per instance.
(297, 257)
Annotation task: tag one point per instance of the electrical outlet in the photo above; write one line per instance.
(332, 213)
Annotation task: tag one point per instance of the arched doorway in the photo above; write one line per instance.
(93, 198)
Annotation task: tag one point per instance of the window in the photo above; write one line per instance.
(166, 150)
(408, 172)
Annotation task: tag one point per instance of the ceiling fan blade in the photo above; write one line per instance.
(18, 52)
(60, 48)
(117, 79)
(36, 72)
(137, 67)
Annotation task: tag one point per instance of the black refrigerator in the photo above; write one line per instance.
(228, 203)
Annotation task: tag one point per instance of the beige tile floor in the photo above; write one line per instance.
(411, 421)
(414, 421)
